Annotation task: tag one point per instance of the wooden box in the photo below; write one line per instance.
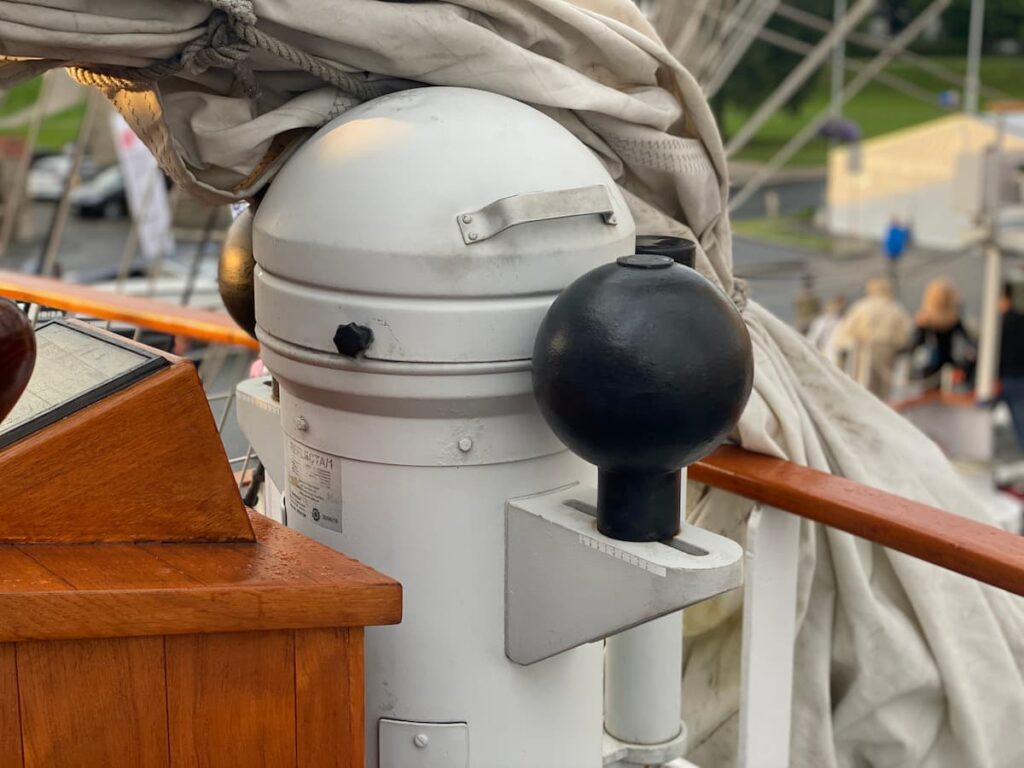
(145, 622)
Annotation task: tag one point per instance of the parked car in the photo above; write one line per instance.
(48, 175)
(103, 195)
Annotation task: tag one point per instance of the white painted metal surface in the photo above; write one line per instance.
(440, 532)
(642, 697)
(988, 339)
(423, 745)
(259, 416)
(643, 667)
(614, 585)
(404, 459)
(414, 499)
(769, 633)
(376, 239)
(409, 413)
(625, 753)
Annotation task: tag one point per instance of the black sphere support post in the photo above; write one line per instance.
(637, 505)
(681, 251)
(642, 367)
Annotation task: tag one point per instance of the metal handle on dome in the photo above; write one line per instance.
(477, 226)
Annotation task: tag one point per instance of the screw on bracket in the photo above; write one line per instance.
(353, 339)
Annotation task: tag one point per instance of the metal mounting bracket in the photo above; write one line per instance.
(566, 584)
(618, 752)
(477, 226)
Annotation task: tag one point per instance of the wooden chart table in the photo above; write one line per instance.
(145, 622)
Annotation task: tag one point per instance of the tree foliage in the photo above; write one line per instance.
(1004, 19)
(764, 65)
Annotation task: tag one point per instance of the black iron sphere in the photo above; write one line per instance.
(235, 273)
(642, 367)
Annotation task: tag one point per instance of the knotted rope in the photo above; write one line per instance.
(221, 46)
(230, 36)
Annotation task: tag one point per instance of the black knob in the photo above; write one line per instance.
(17, 355)
(353, 339)
(641, 367)
(681, 251)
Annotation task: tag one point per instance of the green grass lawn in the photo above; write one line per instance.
(877, 109)
(56, 130)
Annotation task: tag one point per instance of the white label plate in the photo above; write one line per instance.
(314, 485)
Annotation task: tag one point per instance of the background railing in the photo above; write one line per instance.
(221, 351)
(983, 552)
(164, 317)
(785, 492)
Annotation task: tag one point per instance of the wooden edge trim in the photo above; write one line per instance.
(200, 324)
(982, 552)
(202, 505)
(82, 614)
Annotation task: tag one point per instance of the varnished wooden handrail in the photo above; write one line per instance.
(983, 552)
(200, 324)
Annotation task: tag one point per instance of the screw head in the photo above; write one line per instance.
(466, 218)
(465, 444)
(301, 424)
(472, 235)
(420, 740)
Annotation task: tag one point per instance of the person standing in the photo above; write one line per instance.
(939, 325)
(894, 245)
(1011, 361)
(822, 331)
(874, 331)
(806, 305)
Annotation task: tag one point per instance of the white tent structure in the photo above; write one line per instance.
(930, 176)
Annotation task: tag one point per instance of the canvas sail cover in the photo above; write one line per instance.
(898, 663)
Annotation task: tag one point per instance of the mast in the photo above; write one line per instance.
(974, 56)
